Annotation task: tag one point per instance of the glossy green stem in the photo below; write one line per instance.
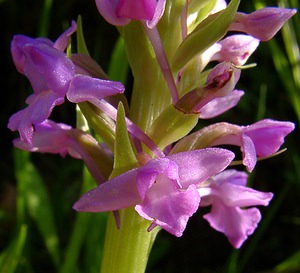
(127, 249)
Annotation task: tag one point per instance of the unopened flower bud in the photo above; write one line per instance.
(220, 82)
(263, 23)
(121, 12)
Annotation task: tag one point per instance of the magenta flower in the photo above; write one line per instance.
(260, 139)
(162, 191)
(50, 137)
(263, 23)
(59, 138)
(120, 12)
(228, 196)
(52, 76)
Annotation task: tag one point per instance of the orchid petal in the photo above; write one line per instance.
(136, 10)
(85, 88)
(159, 11)
(220, 105)
(37, 111)
(249, 152)
(168, 206)
(236, 49)
(231, 187)
(44, 66)
(268, 135)
(62, 41)
(120, 12)
(263, 23)
(235, 223)
(117, 193)
(147, 174)
(108, 9)
(227, 194)
(17, 45)
(48, 137)
(197, 166)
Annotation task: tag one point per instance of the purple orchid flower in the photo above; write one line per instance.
(260, 139)
(52, 76)
(121, 12)
(59, 138)
(263, 23)
(228, 196)
(50, 137)
(163, 191)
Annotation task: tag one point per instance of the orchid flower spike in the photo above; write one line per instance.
(228, 195)
(53, 77)
(121, 12)
(263, 23)
(163, 191)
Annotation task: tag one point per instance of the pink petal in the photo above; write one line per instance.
(36, 112)
(159, 11)
(227, 194)
(147, 174)
(85, 88)
(168, 206)
(47, 68)
(108, 9)
(48, 137)
(17, 45)
(117, 193)
(136, 9)
(263, 23)
(197, 166)
(63, 40)
(235, 223)
(236, 49)
(249, 152)
(268, 135)
(230, 186)
(220, 105)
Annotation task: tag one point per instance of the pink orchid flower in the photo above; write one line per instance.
(52, 76)
(228, 196)
(163, 191)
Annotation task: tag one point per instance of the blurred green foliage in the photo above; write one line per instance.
(39, 232)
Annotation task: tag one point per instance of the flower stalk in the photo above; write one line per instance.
(127, 249)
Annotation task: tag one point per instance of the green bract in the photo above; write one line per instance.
(205, 34)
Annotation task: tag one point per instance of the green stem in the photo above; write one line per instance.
(127, 249)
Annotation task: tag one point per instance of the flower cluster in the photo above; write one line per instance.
(186, 65)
